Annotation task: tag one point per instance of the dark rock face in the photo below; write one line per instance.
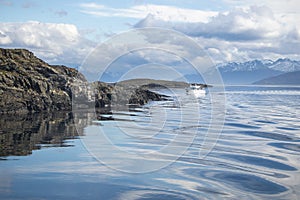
(142, 96)
(103, 94)
(28, 84)
(108, 95)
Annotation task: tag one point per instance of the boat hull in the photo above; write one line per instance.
(199, 93)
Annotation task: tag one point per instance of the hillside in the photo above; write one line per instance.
(290, 78)
(153, 83)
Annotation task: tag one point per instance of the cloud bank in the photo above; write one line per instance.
(241, 34)
(51, 41)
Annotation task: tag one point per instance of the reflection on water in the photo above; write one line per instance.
(20, 134)
(257, 156)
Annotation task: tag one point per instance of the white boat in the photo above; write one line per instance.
(198, 90)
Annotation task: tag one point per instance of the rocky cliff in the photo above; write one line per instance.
(28, 84)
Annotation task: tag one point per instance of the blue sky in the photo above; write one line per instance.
(65, 32)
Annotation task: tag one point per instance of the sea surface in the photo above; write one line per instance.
(240, 143)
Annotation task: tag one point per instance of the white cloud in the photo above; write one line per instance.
(162, 12)
(278, 6)
(144, 47)
(92, 6)
(4, 39)
(239, 24)
(240, 34)
(52, 42)
(268, 30)
(286, 11)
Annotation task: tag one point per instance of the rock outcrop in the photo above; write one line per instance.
(100, 95)
(28, 84)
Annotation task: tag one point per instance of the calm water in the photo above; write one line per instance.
(160, 151)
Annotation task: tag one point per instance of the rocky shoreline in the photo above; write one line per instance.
(29, 85)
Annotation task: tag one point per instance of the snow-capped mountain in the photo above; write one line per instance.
(285, 65)
(255, 70)
(246, 66)
(282, 65)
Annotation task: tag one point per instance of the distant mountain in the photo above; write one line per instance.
(252, 71)
(285, 65)
(282, 65)
(290, 78)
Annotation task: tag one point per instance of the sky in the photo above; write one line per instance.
(66, 32)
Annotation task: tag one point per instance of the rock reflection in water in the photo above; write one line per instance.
(21, 134)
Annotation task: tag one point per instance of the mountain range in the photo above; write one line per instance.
(256, 70)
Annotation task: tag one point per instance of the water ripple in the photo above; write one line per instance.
(250, 183)
(287, 146)
(239, 125)
(149, 194)
(244, 182)
(268, 135)
(257, 161)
